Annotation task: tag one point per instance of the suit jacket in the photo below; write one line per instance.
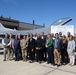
(31, 44)
(59, 44)
(39, 43)
(44, 40)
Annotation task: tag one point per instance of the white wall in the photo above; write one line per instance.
(64, 29)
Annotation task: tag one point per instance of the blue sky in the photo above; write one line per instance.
(42, 11)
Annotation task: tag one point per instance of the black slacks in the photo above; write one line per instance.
(39, 55)
(31, 55)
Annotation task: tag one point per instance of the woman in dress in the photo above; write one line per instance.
(31, 48)
(64, 53)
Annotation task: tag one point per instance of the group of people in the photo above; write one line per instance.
(56, 49)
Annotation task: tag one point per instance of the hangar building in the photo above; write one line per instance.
(16, 24)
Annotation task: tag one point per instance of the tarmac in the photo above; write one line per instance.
(26, 68)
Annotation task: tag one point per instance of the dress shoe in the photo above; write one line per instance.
(30, 61)
(4, 60)
(47, 63)
(58, 65)
(39, 62)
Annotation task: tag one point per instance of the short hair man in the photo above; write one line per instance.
(6, 43)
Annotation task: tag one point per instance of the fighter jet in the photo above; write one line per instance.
(59, 22)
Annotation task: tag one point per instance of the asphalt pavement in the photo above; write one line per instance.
(26, 68)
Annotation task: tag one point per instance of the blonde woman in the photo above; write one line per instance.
(64, 53)
(71, 49)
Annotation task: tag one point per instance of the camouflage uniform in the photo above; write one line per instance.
(23, 44)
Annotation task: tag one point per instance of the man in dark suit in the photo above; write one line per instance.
(20, 53)
(44, 48)
(57, 49)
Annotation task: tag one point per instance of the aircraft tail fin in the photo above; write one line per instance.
(1, 26)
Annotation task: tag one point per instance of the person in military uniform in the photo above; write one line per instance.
(24, 44)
